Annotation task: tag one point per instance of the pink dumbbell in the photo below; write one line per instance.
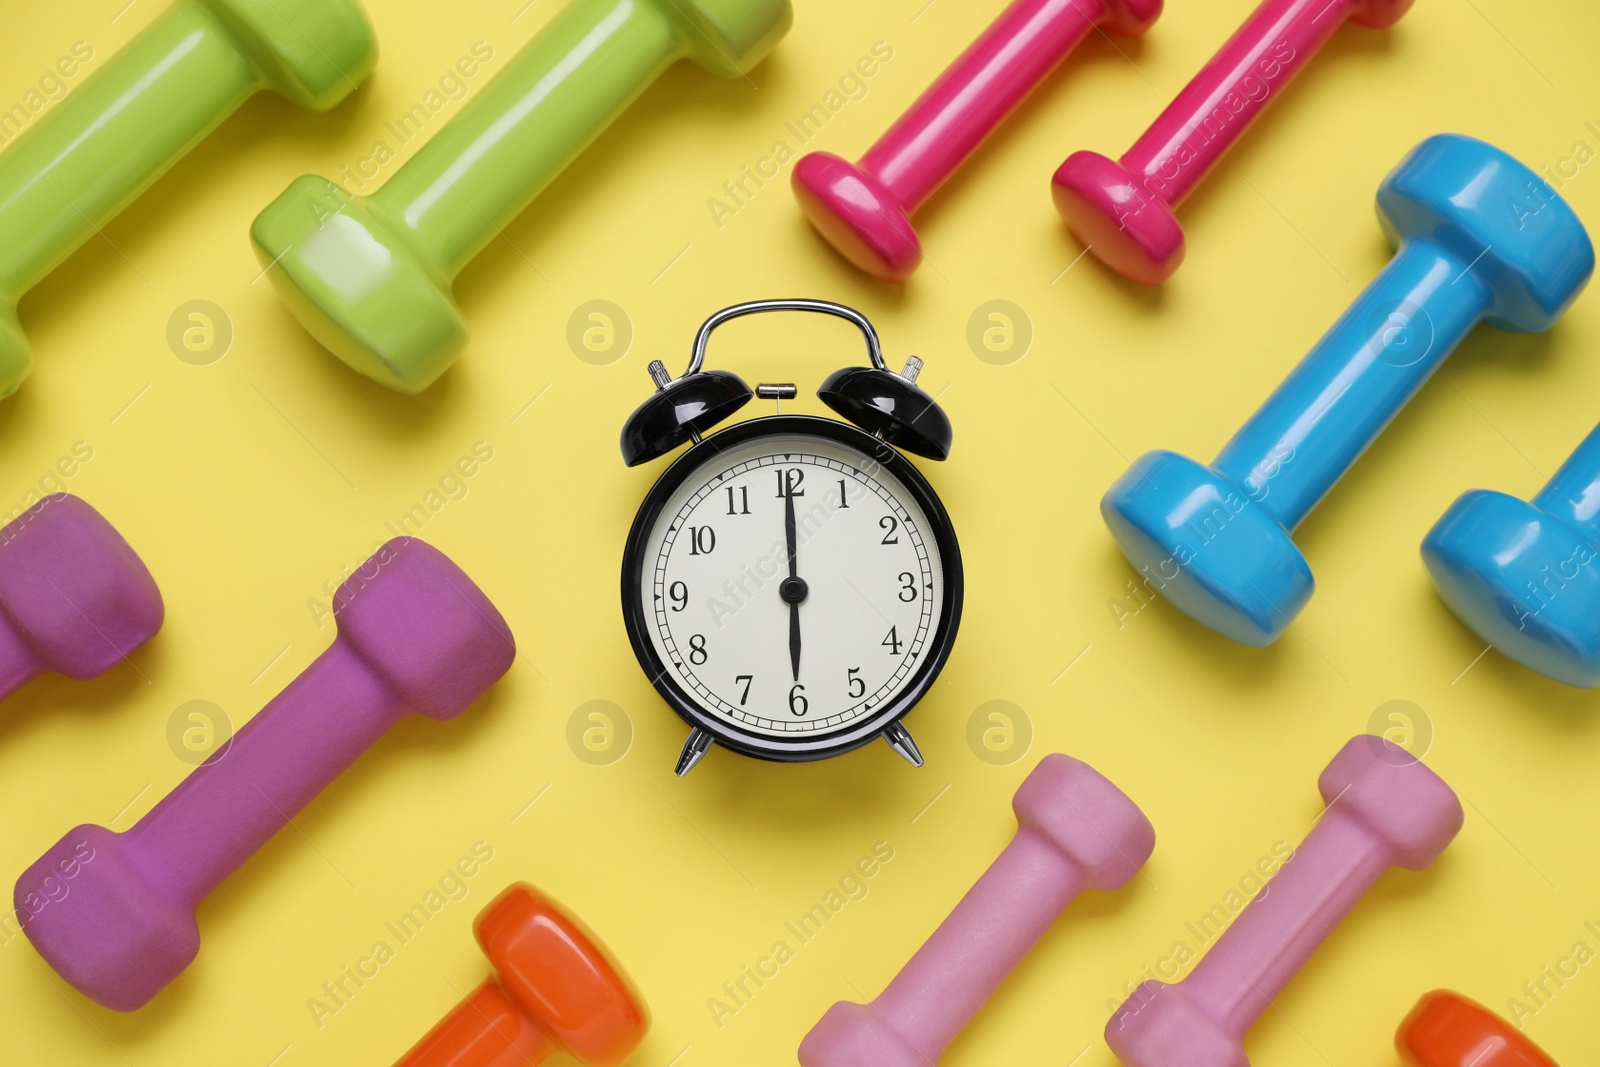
(1384, 809)
(114, 913)
(74, 598)
(864, 210)
(1075, 831)
(1123, 210)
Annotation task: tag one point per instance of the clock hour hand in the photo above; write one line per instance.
(792, 589)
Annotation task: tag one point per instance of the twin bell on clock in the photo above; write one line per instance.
(792, 584)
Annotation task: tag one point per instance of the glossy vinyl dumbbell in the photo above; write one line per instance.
(1526, 576)
(556, 989)
(80, 164)
(74, 598)
(415, 635)
(370, 276)
(1479, 237)
(1446, 1029)
(864, 209)
(1384, 809)
(1075, 831)
(1123, 209)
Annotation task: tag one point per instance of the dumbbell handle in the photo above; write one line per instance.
(1357, 378)
(1573, 492)
(1278, 931)
(1199, 126)
(565, 86)
(975, 94)
(488, 1010)
(229, 806)
(75, 168)
(1002, 916)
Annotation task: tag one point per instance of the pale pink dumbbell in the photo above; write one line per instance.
(1123, 209)
(1384, 809)
(1075, 831)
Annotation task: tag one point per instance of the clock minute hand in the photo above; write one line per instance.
(792, 589)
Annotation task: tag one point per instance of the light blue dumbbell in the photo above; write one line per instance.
(1479, 238)
(1526, 576)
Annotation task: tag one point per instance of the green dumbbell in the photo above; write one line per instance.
(108, 141)
(370, 276)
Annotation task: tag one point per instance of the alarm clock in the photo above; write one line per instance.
(791, 585)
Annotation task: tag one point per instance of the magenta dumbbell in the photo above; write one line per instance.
(1123, 209)
(864, 210)
(1384, 809)
(415, 635)
(74, 598)
(1075, 831)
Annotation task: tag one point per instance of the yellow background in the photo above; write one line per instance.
(248, 483)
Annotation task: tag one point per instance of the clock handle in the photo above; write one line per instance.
(823, 307)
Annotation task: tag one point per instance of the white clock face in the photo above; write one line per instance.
(747, 642)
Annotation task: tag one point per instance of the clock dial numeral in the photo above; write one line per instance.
(678, 593)
(746, 679)
(702, 540)
(889, 524)
(697, 649)
(844, 500)
(743, 500)
(892, 641)
(798, 704)
(908, 587)
(858, 688)
(789, 480)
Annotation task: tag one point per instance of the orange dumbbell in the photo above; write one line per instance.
(556, 989)
(1446, 1029)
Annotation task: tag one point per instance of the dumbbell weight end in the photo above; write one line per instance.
(1525, 576)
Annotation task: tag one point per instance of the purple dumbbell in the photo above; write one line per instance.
(415, 635)
(1384, 809)
(1075, 831)
(74, 598)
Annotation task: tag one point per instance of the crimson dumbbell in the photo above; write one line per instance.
(864, 209)
(415, 635)
(74, 598)
(1123, 209)
(1384, 809)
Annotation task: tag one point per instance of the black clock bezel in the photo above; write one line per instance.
(636, 613)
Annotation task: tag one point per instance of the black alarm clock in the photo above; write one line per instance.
(791, 585)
